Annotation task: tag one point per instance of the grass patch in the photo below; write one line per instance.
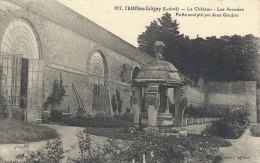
(255, 130)
(20, 132)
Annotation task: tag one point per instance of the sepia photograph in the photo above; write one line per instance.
(137, 81)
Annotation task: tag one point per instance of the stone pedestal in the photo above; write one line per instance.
(152, 116)
(164, 119)
(180, 106)
(152, 102)
(136, 105)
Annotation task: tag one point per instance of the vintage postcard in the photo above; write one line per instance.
(129, 81)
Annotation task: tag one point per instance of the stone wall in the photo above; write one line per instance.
(195, 97)
(195, 93)
(220, 95)
(233, 95)
(258, 105)
(67, 40)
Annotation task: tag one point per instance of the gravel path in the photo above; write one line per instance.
(246, 149)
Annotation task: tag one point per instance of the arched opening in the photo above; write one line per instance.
(20, 38)
(135, 71)
(22, 67)
(98, 81)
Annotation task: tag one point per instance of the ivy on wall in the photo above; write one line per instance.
(117, 103)
(114, 104)
(125, 71)
(4, 113)
(58, 94)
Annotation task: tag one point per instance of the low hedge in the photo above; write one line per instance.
(103, 122)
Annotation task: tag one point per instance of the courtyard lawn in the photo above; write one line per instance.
(18, 132)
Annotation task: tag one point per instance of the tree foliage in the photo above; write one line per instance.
(228, 58)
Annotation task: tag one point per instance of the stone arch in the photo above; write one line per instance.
(20, 37)
(135, 71)
(97, 65)
(23, 69)
(97, 69)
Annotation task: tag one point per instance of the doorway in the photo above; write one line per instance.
(23, 84)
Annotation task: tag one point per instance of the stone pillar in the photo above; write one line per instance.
(136, 102)
(152, 102)
(180, 106)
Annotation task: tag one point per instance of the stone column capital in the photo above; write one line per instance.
(152, 96)
(152, 99)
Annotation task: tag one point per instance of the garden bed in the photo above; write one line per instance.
(124, 134)
(18, 132)
(162, 148)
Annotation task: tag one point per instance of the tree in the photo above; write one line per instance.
(166, 30)
(228, 58)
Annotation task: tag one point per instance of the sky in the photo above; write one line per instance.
(225, 17)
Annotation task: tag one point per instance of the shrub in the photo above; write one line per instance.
(231, 124)
(224, 129)
(18, 114)
(237, 117)
(52, 152)
(255, 130)
(56, 115)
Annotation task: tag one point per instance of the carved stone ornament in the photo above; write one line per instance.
(152, 99)
(134, 100)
